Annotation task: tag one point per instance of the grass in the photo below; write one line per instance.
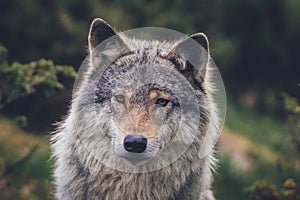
(229, 182)
(261, 129)
(32, 179)
(265, 141)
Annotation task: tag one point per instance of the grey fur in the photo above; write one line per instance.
(80, 175)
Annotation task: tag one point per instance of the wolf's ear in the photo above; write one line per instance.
(191, 57)
(104, 40)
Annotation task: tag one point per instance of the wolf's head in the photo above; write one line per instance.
(139, 98)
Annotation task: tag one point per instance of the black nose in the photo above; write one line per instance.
(135, 143)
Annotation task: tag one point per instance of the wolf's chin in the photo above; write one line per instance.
(135, 158)
(136, 161)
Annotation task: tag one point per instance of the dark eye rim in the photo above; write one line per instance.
(164, 103)
(118, 96)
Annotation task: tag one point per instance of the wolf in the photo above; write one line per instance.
(140, 119)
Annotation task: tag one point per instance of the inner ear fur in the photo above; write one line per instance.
(191, 57)
(104, 40)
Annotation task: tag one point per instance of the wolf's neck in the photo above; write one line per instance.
(160, 184)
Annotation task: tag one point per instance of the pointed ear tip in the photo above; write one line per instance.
(97, 21)
(200, 35)
(202, 39)
(96, 25)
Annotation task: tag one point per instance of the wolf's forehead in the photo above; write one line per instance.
(139, 67)
(137, 70)
(146, 56)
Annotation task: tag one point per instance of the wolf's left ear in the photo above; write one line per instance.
(104, 40)
(191, 57)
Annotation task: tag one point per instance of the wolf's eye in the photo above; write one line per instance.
(120, 98)
(162, 102)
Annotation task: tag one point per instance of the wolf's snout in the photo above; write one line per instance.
(135, 143)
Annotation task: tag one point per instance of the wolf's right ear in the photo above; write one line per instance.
(103, 40)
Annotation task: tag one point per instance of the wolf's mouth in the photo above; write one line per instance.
(135, 158)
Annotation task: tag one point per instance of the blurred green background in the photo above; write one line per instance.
(255, 44)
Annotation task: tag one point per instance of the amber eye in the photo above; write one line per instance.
(162, 102)
(120, 98)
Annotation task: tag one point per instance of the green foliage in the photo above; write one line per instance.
(17, 80)
(265, 138)
(21, 121)
(293, 122)
(263, 190)
(291, 104)
(290, 163)
(287, 163)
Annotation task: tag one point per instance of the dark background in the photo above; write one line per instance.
(255, 43)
